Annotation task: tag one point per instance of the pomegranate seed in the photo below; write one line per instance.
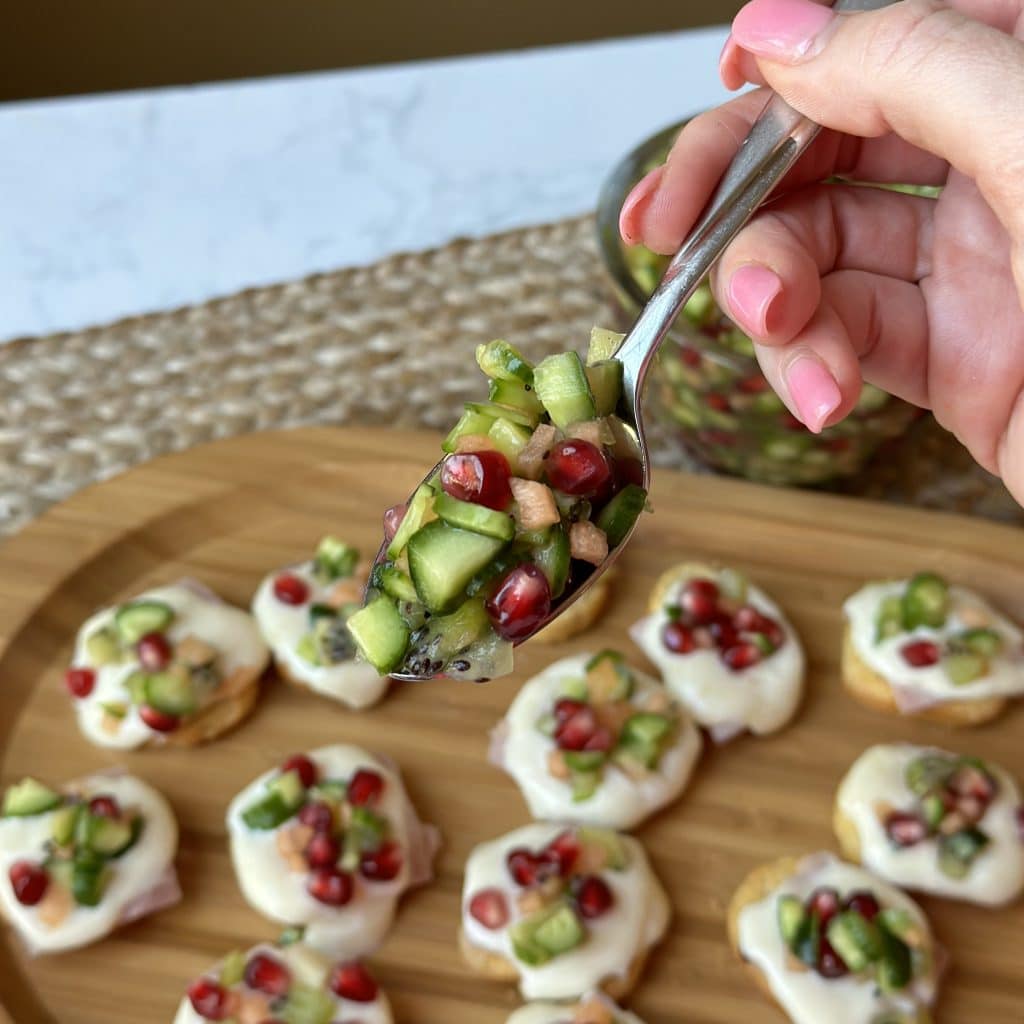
(566, 707)
(105, 806)
(629, 471)
(830, 964)
(382, 864)
(304, 767)
(1020, 823)
(158, 721)
(564, 849)
(905, 829)
(593, 897)
(699, 601)
(29, 882)
(80, 681)
(365, 787)
(490, 908)
(322, 850)
(154, 651)
(577, 731)
(479, 477)
(717, 402)
(267, 974)
(823, 903)
(750, 620)
(690, 356)
(741, 656)
(523, 865)
(753, 385)
(969, 780)
(863, 903)
(291, 589)
(330, 886)
(208, 999)
(601, 740)
(352, 981)
(393, 520)
(578, 468)
(521, 602)
(723, 632)
(678, 638)
(318, 816)
(920, 653)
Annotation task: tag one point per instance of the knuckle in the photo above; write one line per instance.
(910, 34)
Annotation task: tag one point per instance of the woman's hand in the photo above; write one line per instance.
(923, 297)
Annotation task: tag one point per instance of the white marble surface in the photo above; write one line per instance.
(125, 204)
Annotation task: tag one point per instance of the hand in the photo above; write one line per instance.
(922, 297)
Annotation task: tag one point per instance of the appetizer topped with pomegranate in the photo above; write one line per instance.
(927, 819)
(330, 841)
(591, 1009)
(173, 665)
(563, 910)
(292, 983)
(79, 861)
(302, 613)
(593, 741)
(925, 647)
(831, 942)
(724, 649)
(538, 485)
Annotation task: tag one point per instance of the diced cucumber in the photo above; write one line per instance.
(103, 647)
(419, 505)
(559, 931)
(605, 380)
(332, 790)
(284, 796)
(552, 557)
(467, 515)
(508, 437)
(925, 601)
(62, 828)
(380, 633)
(307, 1005)
(561, 385)
(807, 943)
(496, 411)
(647, 727)
(290, 935)
(335, 559)
(734, 584)
(115, 708)
(855, 939)
(636, 754)
(603, 345)
(107, 836)
(986, 642)
(958, 851)
(584, 785)
(61, 870)
(933, 809)
(901, 923)
(619, 515)
(963, 667)
(232, 970)
(616, 854)
(318, 612)
(895, 967)
(499, 360)
(790, 914)
(366, 829)
(889, 621)
(397, 584)
(443, 559)
(29, 797)
(135, 684)
(137, 618)
(288, 785)
(471, 424)
(308, 648)
(524, 947)
(516, 394)
(171, 692)
(88, 878)
(575, 688)
(928, 771)
(584, 760)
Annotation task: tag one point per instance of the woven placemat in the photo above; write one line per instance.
(388, 344)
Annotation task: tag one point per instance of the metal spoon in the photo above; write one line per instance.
(775, 141)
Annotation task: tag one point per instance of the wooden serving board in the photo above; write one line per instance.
(231, 511)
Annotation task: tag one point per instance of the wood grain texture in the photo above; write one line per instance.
(229, 512)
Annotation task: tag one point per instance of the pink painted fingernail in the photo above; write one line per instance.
(782, 29)
(752, 289)
(813, 390)
(632, 208)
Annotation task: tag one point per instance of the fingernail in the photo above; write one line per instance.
(781, 29)
(813, 390)
(629, 215)
(752, 289)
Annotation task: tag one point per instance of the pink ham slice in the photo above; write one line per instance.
(165, 892)
(424, 839)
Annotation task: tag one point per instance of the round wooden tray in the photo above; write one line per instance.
(229, 512)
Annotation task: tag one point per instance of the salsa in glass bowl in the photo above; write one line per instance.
(707, 391)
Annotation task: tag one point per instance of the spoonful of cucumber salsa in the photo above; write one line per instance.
(541, 486)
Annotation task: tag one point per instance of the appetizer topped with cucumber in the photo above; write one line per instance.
(289, 983)
(563, 910)
(925, 646)
(830, 942)
(931, 820)
(538, 486)
(724, 649)
(329, 841)
(302, 612)
(591, 1009)
(173, 665)
(79, 861)
(593, 741)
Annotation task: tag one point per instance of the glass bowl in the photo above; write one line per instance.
(706, 391)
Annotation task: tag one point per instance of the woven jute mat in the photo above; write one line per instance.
(389, 344)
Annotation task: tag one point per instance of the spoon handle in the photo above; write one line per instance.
(775, 141)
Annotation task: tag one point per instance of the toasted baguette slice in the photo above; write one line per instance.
(580, 615)
(217, 718)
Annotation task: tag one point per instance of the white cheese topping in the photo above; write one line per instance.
(804, 994)
(355, 683)
(637, 920)
(878, 776)
(562, 1013)
(620, 801)
(913, 687)
(132, 875)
